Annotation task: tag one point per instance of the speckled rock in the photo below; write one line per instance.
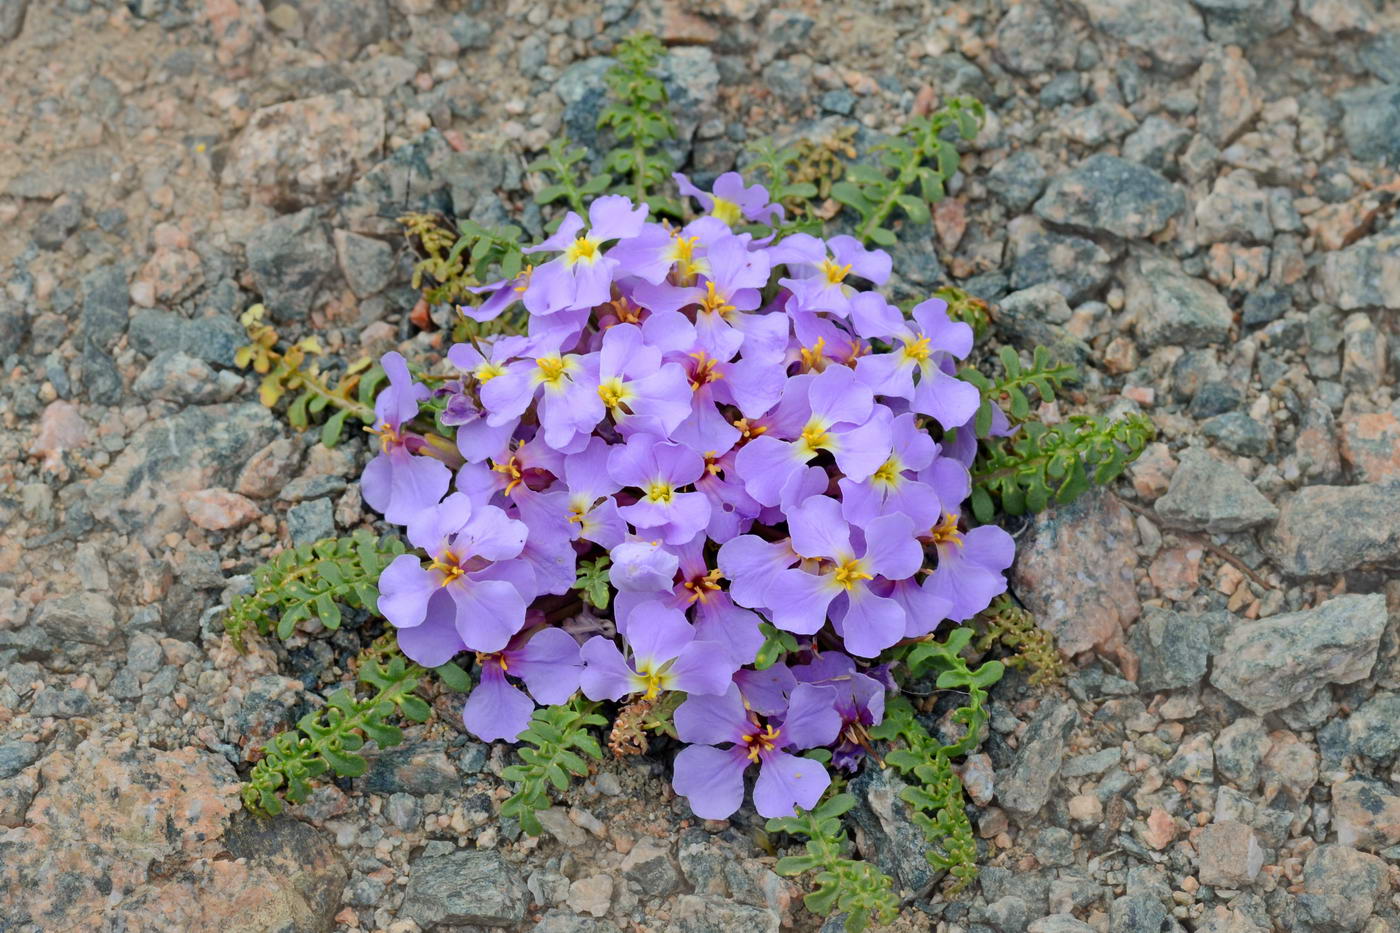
(1211, 495)
(1366, 814)
(1026, 786)
(465, 886)
(1275, 662)
(1371, 446)
(1173, 308)
(1106, 194)
(294, 154)
(1075, 266)
(1093, 538)
(1170, 32)
(1229, 98)
(1341, 887)
(1230, 855)
(1329, 529)
(1244, 22)
(1172, 649)
(1364, 275)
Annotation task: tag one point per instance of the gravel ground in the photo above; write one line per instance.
(1193, 199)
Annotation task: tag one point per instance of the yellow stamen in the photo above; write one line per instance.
(524, 278)
(448, 564)
(946, 531)
(487, 371)
(485, 659)
(815, 435)
(613, 393)
(584, 249)
(749, 431)
(814, 357)
(712, 466)
(851, 572)
(388, 437)
(511, 468)
(552, 368)
(760, 742)
(704, 372)
(888, 472)
(714, 302)
(916, 350)
(682, 248)
(835, 274)
(660, 491)
(701, 587)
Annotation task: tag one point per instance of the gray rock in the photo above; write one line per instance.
(412, 178)
(1091, 764)
(887, 835)
(367, 264)
(1330, 529)
(1239, 748)
(562, 921)
(176, 376)
(105, 305)
(466, 886)
(692, 913)
(1230, 855)
(12, 18)
(87, 618)
(1138, 913)
(1244, 22)
(1098, 123)
(1053, 847)
(1236, 210)
(1059, 923)
(61, 704)
(1174, 308)
(1172, 649)
(1007, 914)
(1239, 434)
(1373, 730)
(584, 94)
(310, 873)
(291, 259)
(1194, 760)
(16, 756)
(78, 170)
(339, 29)
(1272, 663)
(310, 521)
(1155, 143)
(1064, 88)
(1106, 194)
(1077, 267)
(1381, 57)
(211, 338)
(1371, 125)
(1170, 32)
(56, 224)
(422, 768)
(1036, 317)
(1028, 40)
(1366, 814)
(1017, 180)
(651, 866)
(14, 325)
(404, 811)
(1341, 887)
(101, 379)
(1228, 98)
(1027, 784)
(1365, 274)
(1207, 494)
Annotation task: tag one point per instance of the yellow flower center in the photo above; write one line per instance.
(816, 436)
(485, 659)
(652, 680)
(388, 437)
(660, 491)
(916, 350)
(851, 572)
(888, 473)
(524, 278)
(511, 470)
(814, 357)
(682, 248)
(449, 565)
(749, 431)
(714, 302)
(552, 368)
(835, 274)
(584, 249)
(760, 742)
(701, 587)
(704, 371)
(946, 531)
(613, 393)
(487, 371)
(726, 211)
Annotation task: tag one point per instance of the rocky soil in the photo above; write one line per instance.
(1194, 200)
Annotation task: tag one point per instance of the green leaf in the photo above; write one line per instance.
(453, 677)
(914, 207)
(335, 424)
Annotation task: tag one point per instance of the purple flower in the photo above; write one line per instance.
(798, 601)
(592, 510)
(640, 566)
(829, 411)
(569, 405)
(971, 565)
(819, 279)
(582, 277)
(751, 564)
(860, 701)
(470, 595)
(731, 201)
(396, 482)
(639, 391)
(665, 656)
(892, 488)
(547, 660)
(712, 778)
(659, 469)
(924, 349)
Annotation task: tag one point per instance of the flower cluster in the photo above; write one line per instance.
(758, 441)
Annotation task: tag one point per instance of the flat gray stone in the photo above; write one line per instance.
(1207, 494)
(1106, 194)
(468, 886)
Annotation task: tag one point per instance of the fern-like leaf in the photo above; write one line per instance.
(550, 753)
